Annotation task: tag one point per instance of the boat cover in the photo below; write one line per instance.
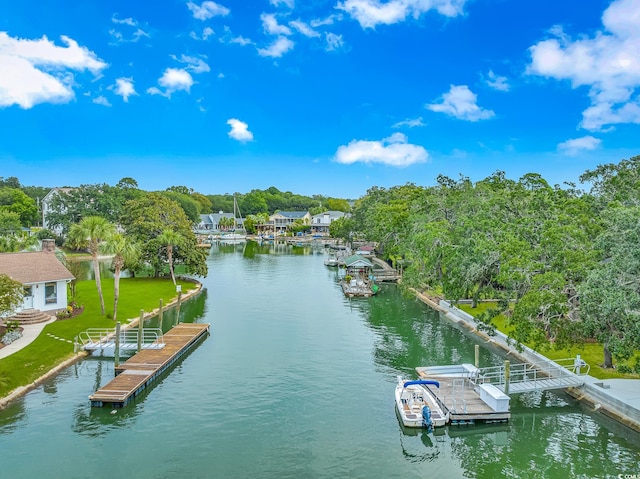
(421, 381)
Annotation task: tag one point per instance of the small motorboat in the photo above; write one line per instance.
(331, 261)
(417, 406)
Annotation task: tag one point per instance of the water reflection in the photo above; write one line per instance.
(409, 334)
(12, 417)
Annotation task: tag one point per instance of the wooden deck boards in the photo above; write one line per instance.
(463, 402)
(139, 371)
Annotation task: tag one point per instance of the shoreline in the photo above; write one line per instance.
(131, 323)
(595, 393)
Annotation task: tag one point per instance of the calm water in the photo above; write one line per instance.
(297, 381)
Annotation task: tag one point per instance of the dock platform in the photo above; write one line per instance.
(139, 371)
(462, 399)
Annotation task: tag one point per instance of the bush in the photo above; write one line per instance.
(12, 326)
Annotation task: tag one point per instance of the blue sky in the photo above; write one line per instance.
(316, 96)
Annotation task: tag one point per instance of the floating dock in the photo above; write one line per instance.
(466, 401)
(138, 372)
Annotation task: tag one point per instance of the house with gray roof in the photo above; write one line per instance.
(210, 223)
(280, 221)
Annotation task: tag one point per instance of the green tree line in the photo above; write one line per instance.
(563, 263)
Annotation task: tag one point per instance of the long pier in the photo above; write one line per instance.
(138, 372)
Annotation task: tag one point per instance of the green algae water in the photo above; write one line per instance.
(297, 381)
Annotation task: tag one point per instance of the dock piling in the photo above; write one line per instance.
(477, 362)
(177, 321)
(160, 314)
(140, 329)
(116, 350)
(507, 376)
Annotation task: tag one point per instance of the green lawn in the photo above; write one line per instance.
(592, 353)
(45, 352)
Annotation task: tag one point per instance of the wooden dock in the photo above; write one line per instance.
(460, 397)
(134, 375)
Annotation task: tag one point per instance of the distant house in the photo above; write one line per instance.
(44, 278)
(320, 223)
(210, 223)
(281, 220)
(46, 208)
(366, 250)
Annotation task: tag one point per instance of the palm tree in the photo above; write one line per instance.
(170, 239)
(125, 252)
(89, 233)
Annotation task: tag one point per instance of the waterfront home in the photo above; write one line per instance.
(210, 223)
(320, 223)
(46, 203)
(280, 221)
(44, 279)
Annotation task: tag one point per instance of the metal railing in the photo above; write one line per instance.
(100, 338)
(567, 370)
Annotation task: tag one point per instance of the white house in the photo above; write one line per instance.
(44, 278)
(46, 207)
(320, 223)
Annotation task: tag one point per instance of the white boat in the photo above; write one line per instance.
(235, 234)
(331, 261)
(417, 406)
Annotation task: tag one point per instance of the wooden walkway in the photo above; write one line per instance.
(134, 375)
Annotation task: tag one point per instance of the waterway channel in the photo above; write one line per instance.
(297, 381)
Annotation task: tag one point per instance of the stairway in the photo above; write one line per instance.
(30, 316)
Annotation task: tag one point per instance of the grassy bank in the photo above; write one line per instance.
(592, 353)
(36, 359)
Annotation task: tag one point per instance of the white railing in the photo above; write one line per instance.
(569, 369)
(99, 338)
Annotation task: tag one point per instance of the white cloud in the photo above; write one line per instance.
(334, 41)
(195, 65)
(278, 48)
(330, 20)
(460, 102)
(38, 71)
(392, 151)
(134, 36)
(101, 100)
(125, 21)
(239, 130)
(608, 63)
(497, 82)
(303, 28)
(124, 88)
(172, 80)
(410, 122)
(370, 13)
(271, 25)
(206, 33)
(286, 3)
(576, 145)
(241, 40)
(207, 10)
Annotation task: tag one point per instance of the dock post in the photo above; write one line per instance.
(178, 308)
(140, 329)
(160, 315)
(507, 376)
(477, 348)
(116, 351)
